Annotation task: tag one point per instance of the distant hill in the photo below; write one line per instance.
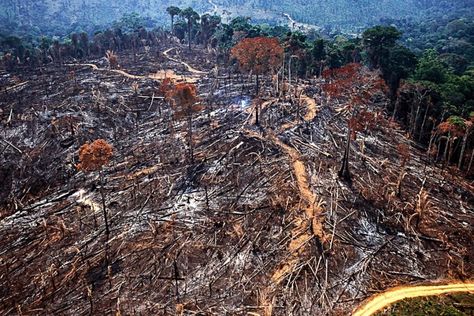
(56, 17)
(65, 16)
(347, 14)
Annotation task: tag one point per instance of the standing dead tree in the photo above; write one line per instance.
(454, 127)
(185, 103)
(403, 151)
(112, 58)
(93, 157)
(354, 88)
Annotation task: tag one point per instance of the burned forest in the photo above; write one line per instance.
(220, 170)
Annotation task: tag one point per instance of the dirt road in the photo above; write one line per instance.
(385, 299)
(310, 223)
(190, 69)
(159, 75)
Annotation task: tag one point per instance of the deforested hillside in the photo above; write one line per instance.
(255, 215)
(218, 167)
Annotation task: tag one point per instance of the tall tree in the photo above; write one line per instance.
(258, 55)
(454, 127)
(469, 125)
(399, 63)
(93, 157)
(295, 46)
(354, 87)
(395, 61)
(84, 43)
(378, 41)
(209, 25)
(191, 17)
(184, 100)
(318, 55)
(75, 43)
(173, 11)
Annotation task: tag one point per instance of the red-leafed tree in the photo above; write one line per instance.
(353, 87)
(166, 86)
(258, 56)
(93, 157)
(185, 102)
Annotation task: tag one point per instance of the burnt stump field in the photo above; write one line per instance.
(255, 222)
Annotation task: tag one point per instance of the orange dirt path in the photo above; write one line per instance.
(385, 299)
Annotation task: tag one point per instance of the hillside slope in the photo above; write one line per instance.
(53, 17)
(258, 223)
(48, 16)
(346, 13)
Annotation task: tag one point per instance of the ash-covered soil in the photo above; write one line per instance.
(234, 231)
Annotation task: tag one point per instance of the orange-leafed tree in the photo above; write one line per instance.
(166, 86)
(258, 56)
(185, 102)
(353, 87)
(165, 89)
(93, 157)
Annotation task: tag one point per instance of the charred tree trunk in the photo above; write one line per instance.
(189, 35)
(432, 137)
(104, 209)
(445, 153)
(282, 78)
(172, 25)
(190, 137)
(393, 89)
(463, 148)
(257, 106)
(452, 149)
(257, 85)
(415, 121)
(470, 161)
(344, 172)
(423, 123)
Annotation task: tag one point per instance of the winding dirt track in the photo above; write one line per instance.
(190, 69)
(159, 75)
(385, 299)
(312, 218)
(307, 224)
(309, 116)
